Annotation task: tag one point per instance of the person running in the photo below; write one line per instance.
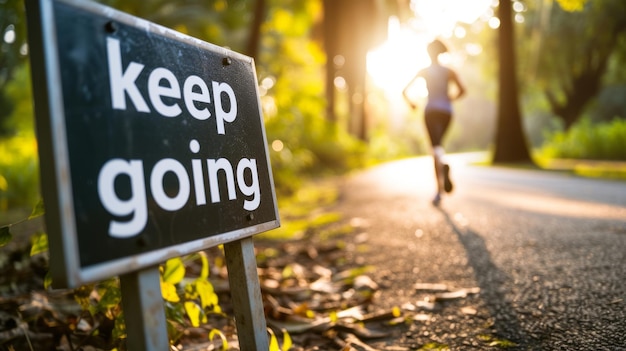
(438, 110)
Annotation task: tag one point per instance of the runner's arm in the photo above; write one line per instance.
(461, 88)
(406, 89)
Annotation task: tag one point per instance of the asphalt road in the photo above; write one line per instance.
(546, 249)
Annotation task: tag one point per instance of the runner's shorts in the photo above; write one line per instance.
(437, 123)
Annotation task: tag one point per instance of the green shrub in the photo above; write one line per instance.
(19, 172)
(587, 140)
(19, 166)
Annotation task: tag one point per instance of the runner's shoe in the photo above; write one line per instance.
(447, 183)
(437, 200)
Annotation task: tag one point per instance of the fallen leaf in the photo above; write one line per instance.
(469, 311)
(421, 317)
(430, 287)
(426, 305)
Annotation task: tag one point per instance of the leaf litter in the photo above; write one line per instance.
(316, 295)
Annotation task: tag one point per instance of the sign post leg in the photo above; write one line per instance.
(246, 295)
(144, 311)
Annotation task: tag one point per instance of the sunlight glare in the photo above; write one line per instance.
(441, 16)
(393, 64)
(494, 22)
(9, 34)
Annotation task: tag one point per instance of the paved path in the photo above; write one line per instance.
(547, 250)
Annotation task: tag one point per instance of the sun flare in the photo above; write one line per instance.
(393, 64)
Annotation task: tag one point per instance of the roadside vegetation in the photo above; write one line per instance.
(306, 148)
(589, 141)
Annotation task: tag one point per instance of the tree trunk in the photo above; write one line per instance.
(331, 46)
(252, 49)
(351, 28)
(510, 141)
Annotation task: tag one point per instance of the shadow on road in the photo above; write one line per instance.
(491, 281)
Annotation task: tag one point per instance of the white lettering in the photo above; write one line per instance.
(214, 166)
(122, 82)
(156, 91)
(156, 184)
(135, 205)
(162, 83)
(220, 114)
(252, 189)
(163, 90)
(198, 176)
(191, 97)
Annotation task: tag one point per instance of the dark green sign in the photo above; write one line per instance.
(152, 142)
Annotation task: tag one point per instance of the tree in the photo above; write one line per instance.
(572, 72)
(13, 51)
(254, 38)
(510, 141)
(351, 29)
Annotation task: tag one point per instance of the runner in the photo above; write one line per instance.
(438, 110)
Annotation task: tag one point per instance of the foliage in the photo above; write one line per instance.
(496, 342)
(190, 297)
(290, 66)
(184, 296)
(13, 23)
(19, 172)
(5, 230)
(294, 109)
(572, 74)
(18, 90)
(572, 5)
(290, 70)
(585, 140)
(217, 21)
(274, 341)
(19, 168)
(217, 332)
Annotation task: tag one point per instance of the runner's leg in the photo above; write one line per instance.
(437, 123)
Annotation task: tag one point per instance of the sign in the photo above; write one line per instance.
(151, 142)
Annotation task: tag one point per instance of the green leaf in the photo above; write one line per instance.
(168, 292)
(333, 317)
(47, 281)
(39, 210)
(174, 271)
(5, 235)
(206, 292)
(111, 298)
(435, 346)
(194, 312)
(273, 341)
(572, 5)
(119, 330)
(221, 335)
(503, 343)
(40, 243)
(205, 265)
(286, 340)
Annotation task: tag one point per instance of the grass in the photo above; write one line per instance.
(600, 169)
(305, 210)
(585, 168)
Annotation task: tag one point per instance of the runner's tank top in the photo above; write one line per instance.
(436, 77)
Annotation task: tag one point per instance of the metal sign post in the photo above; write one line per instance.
(151, 146)
(246, 295)
(144, 314)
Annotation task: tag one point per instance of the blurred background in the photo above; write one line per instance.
(331, 73)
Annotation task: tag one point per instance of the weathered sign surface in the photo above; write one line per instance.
(151, 142)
